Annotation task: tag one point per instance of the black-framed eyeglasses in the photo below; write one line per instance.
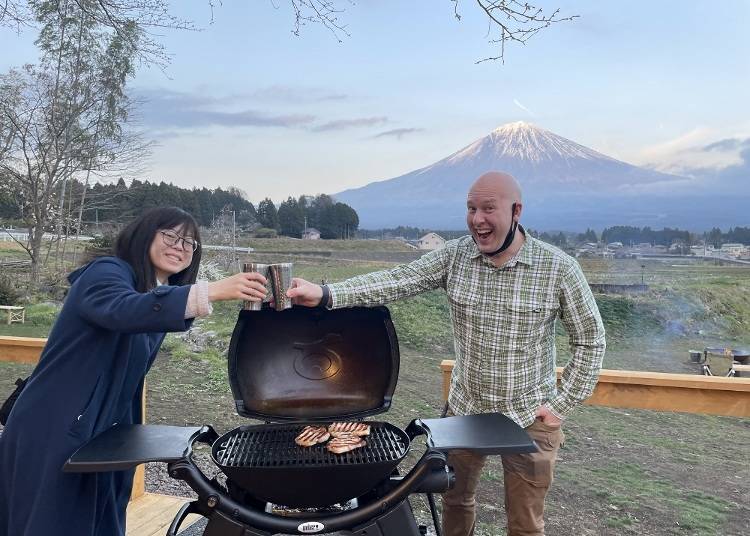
(172, 239)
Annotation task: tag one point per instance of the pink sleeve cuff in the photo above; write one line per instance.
(197, 303)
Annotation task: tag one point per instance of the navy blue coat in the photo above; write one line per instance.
(89, 377)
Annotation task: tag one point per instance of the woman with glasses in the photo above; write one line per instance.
(90, 374)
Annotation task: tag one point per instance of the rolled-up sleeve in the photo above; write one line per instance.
(580, 315)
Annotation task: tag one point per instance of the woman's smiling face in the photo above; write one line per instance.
(169, 259)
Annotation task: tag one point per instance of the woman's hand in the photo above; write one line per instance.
(248, 286)
(304, 293)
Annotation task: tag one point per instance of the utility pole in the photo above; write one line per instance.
(235, 260)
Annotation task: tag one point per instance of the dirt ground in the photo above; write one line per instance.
(620, 471)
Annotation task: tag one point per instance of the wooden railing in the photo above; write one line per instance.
(28, 350)
(21, 349)
(685, 393)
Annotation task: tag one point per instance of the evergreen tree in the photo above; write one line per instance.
(291, 218)
(267, 214)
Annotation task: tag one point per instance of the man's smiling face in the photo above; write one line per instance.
(488, 217)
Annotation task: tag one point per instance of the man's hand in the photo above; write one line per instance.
(304, 293)
(248, 286)
(547, 417)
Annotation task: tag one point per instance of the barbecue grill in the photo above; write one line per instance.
(290, 369)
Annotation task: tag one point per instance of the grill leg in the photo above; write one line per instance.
(433, 511)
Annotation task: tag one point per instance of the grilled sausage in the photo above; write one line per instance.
(312, 435)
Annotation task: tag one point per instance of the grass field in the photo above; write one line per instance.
(620, 471)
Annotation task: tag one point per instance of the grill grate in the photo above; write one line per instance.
(274, 446)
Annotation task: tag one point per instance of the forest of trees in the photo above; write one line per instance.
(113, 204)
(637, 235)
(619, 233)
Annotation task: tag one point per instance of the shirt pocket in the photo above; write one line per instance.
(528, 323)
(465, 307)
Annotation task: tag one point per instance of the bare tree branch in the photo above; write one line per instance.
(514, 21)
(324, 12)
(14, 13)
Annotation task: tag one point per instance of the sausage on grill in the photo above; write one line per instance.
(312, 435)
(354, 428)
(345, 443)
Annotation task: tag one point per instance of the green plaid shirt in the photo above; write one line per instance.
(503, 323)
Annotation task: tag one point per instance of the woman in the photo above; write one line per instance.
(90, 374)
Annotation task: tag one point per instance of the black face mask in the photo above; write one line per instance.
(508, 238)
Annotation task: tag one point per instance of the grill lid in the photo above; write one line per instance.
(313, 364)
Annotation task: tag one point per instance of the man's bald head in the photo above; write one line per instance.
(497, 184)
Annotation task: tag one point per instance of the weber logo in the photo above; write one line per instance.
(311, 527)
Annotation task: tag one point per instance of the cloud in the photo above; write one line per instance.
(718, 167)
(397, 133)
(524, 108)
(696, 149)
(344, 124)
(724, 145)
(734, 177)
(180, 110)
(297, 94)
(171, 112)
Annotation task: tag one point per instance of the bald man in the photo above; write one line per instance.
(506, 289)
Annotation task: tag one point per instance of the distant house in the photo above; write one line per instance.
(734, 250)
(431, 241)
(311, 233)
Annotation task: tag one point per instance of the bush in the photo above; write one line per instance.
(9, 294)
(265, 232)
(101, 245)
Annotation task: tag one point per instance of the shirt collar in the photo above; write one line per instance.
(524, 255)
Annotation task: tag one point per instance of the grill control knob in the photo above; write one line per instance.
(212, 501)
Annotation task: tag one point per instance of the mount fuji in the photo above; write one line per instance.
(566, 187)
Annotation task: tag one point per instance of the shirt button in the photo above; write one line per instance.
(157, 307)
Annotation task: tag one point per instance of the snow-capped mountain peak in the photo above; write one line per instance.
(525, 141)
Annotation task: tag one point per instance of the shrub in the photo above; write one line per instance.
(9, 294)
(265, 232)
(101, 245)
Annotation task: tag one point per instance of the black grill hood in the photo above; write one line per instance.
(310, 364)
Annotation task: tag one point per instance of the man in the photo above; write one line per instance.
(505, 290)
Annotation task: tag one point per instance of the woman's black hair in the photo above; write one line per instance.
(134, 242)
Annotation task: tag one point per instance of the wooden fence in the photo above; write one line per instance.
(685, 393)
(656, 391)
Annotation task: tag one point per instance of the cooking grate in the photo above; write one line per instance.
(274, 446)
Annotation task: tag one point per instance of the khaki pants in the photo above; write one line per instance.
(527, 478)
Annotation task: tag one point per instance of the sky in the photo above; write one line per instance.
(246, 103)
